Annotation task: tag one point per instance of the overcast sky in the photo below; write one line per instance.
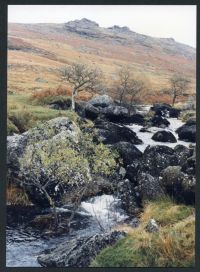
(178, 22)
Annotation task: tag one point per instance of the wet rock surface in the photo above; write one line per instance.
(164, 136)
(165, 110)
(187, 132)
(127, 151)
(159, 121)
(78, 252)
(110, 133)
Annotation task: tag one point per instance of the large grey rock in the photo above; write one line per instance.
(183, 153)
(127, 194)
(26, 163)
(159, 121)
(79, 252)
(128, 151)
(148, 187)
(101, 101)
(164, 136)
(178, 184)
(156, 158)
(110, 133)
(187, 132)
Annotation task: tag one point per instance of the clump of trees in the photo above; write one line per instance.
(82, 77)
(179, 86)
(128, 87)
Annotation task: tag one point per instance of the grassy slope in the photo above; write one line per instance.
(28, 113)
(58, 50)
(173, 246)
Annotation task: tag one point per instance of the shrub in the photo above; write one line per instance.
(11, 128)
(22, 119)
(187, 115)
(16, 196)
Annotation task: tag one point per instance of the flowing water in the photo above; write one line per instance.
(146, 136)
(23, 246)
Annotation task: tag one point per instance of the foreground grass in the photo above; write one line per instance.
(24, 114)
(173, 246)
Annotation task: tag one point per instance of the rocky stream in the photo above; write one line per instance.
(97, 215)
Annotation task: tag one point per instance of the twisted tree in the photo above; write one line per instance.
(82, 77)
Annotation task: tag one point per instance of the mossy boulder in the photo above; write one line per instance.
(55, 158)
(179, 185)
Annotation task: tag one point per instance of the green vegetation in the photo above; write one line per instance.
(46, 100)
(172, 246)
(11, 128)
(24, 113)
(187, 115)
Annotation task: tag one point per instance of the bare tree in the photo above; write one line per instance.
(82, 77)
(123, 83)
(128, 86)
(178, 87)
(137, 87)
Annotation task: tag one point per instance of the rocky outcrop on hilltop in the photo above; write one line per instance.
(124, 36)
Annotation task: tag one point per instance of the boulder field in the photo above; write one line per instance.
(34, 158)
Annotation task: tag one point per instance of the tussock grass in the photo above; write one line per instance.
(16, 196)
(173, 246)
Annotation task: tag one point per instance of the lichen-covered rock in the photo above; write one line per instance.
(127, 151)
(148, 187)
(55, 158)
(101, 101)
(152, 226)
(16, 144)
(171, 175)
(156, 158)
(179, 185)
(183, 153)
(79, 252)
(127, 194)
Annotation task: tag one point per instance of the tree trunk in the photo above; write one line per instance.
(174, 99)
(51, 202)
(73, 100)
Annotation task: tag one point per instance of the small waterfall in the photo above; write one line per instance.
(105, 209)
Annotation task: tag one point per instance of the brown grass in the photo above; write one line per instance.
(16, 196)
